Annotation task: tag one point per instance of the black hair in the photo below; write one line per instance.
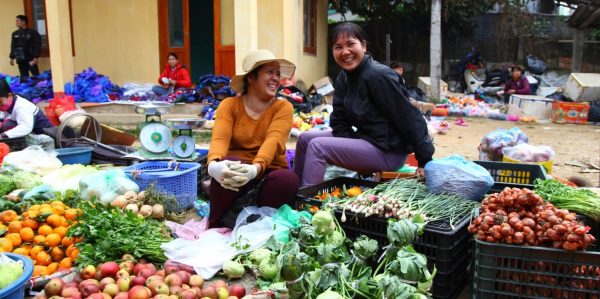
(254, 74)
(4, 88)
(396, 64)
(23, 18)
(172, 54)
(347, 28)
(517, 67)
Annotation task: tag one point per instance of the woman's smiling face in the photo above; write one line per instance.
(266, 82)
(348, 51)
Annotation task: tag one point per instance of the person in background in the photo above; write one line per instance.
(25, 48)
(23, 117)
(374, 125)
(517, 84)
(249, 136)
(399, 68)
(174, 77)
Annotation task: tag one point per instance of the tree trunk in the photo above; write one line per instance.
(435, 50)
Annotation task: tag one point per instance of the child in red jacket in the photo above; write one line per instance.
(174, 77)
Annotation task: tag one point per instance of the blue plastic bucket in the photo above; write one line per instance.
(75, 155)
(16, 290)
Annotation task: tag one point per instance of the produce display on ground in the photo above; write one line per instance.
(90, 232)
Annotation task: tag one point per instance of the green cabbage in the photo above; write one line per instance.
(258, 255)
(233, 269)
(26, 180)
(268, 270)
(6, 185)
(323, 223)
(9, 272)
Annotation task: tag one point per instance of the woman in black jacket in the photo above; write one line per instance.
(374, 125)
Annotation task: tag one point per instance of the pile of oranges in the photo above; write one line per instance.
(40, 233)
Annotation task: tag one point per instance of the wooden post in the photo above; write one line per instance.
(577, 58)
(435, 50)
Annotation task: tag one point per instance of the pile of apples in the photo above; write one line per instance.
(141, 280)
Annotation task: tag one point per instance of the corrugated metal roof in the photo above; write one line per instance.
(586, 14)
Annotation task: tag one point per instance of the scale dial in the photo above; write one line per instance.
(156, 137)
(184, 146)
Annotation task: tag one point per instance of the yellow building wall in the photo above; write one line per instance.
(9, 9)
(314, 67)
(118, 38)
(270, 26)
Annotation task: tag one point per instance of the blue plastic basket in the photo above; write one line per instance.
(16, 290)
(75, 155)
(179, 179)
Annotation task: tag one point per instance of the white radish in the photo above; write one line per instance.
(158, 212)
(146, 210)
(132, 207)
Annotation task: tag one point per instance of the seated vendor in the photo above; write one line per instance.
(374, 126)
(174, 77)
(517, 84)
(22, 116)
(247, 150)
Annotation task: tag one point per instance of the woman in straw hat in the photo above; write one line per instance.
(249, 138)
(374, 125)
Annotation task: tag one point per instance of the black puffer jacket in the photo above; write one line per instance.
(371, 99)
(25, 45)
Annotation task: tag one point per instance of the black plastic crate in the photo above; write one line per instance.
(513, 174)
(15, 144)
(442, 247)
(509, 271)
(306, 195)
(449, 284)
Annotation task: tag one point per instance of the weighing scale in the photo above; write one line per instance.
(156, 137)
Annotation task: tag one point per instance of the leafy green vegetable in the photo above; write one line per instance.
(6, 185)
(409, 265)
(403, 232)
(108, 233)
(577, 200)
(26, 180)
(268, 269)
(365, 248)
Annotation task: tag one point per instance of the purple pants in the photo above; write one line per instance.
(316, 149)
(279, 188)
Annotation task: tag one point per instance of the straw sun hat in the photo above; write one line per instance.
(255, 59)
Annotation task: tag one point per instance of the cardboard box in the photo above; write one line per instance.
(424, 107)
(324, 87)
(425, 85)
(582, 87)
(570, 113)
(530, 105)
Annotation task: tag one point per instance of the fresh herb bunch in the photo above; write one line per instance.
(108, 233)
(577, 200)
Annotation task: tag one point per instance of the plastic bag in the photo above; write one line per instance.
(529, 153)
(106, 185)
(285, 219)
(535, 65)
(455, 175)
(208, 253)
(67, 177)
(490, 148)
(33, 159)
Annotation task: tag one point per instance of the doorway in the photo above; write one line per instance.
(173, 28)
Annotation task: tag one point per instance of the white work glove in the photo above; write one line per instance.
(165, 80)
(220, 169)
(244, 173)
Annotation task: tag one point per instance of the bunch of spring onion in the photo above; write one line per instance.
(403, 199)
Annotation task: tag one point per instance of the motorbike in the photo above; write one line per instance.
(471, 74)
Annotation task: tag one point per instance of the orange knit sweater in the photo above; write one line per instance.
(254, 141)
